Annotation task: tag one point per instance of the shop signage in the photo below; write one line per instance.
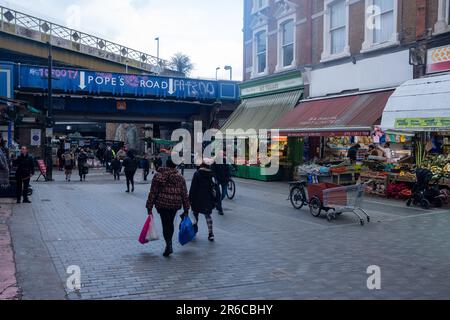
(42, 169)
(272, 85)
(327, 134)
(438, 59)
(410, 123)
(82, 81)
(49, 132)
(6, 82)
(35, 137)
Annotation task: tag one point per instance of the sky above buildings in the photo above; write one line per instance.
(209, 31)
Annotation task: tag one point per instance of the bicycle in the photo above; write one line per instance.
(231, 186)
(297, 191)
(231, 189)
(297, 194)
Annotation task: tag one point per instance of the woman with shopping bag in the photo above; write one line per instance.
(168, 194)
(202, 198)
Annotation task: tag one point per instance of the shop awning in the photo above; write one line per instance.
(352, 115)
(419, 105)
(161, 142)
(262, 112)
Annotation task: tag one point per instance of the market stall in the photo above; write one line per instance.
(329, 127)
(416, 121)
(264, 102)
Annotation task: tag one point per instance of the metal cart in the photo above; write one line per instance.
(336, 200)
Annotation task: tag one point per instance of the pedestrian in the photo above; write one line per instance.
(109, 156)
(122, 154)
(69, 162)
(25, 170)
(100, 154)
(168, 194)
(182, 166)
(60, 155)
(157, 163)
(146, 167)
(352, 154)
(222, 174)
(116, 167)
(83, 169)
(4, 166)
(202, 198)
(373, 151)
(387, 152)
(130, 167)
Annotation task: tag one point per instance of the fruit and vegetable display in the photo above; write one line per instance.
(398, 191)
(438, 164)
(346, 142)
(407, 175)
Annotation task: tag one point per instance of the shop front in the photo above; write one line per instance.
(264, 102)
(421, 108)
(327, 128)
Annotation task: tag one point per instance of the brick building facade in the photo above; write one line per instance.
(328, 34)
(317, 69)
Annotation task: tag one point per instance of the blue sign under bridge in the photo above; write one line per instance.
(6, 91)
(95, 83)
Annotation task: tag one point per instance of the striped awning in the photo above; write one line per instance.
(352, 115)
(262, 112)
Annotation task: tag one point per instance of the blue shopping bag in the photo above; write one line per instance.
(187, 233)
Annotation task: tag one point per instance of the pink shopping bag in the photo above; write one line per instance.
(145, 229)
(149, 232)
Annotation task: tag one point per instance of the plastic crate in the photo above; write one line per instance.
(316, 189)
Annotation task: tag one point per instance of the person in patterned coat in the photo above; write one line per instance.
(168, 194)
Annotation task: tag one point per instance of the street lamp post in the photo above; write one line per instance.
(49, 117)
(230, 68)
(157, 48)
(217, 70)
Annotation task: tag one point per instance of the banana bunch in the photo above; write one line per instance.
(409, 175)
(447, 168)
(436, 170)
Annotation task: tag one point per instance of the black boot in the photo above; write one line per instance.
(168, 251)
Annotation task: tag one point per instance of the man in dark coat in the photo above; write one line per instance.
(201, 197)
(25, 170)
(130, 166)
(353, 153)
(116, 166)
(83, 168)
(222, 173)
(60, 155)
(157, 163)
(109, 156)
(146, 167)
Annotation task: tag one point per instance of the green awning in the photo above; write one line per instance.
(262, 112)
(33, 110)
(161, 142)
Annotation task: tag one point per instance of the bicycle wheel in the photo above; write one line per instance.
(315, 207)
(296, 197)
(231, 189)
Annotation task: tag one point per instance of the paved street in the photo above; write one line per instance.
(264, 248)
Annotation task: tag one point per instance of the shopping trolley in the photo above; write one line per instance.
(336, 200)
